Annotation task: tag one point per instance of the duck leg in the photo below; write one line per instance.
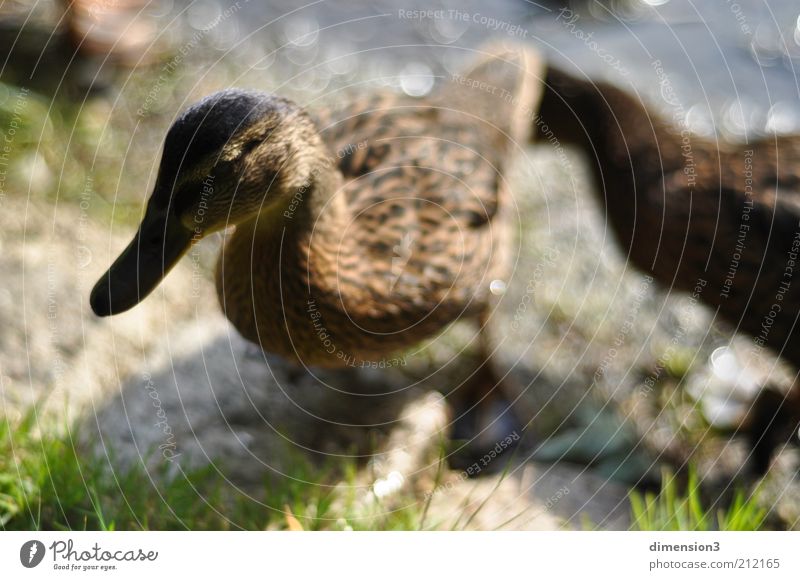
(773, 422)
(485, 428)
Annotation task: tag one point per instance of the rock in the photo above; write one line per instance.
(171, 384)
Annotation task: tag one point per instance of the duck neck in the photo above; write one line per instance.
(315, 225)
(310, 206)
(291, 247)
(627, 146)
(628, 136)
(301, 231)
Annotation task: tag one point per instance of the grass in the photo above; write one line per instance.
(47, 483)
(676, 510)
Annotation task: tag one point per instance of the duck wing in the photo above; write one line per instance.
(424, 181)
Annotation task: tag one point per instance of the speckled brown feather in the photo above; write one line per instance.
(405, 225)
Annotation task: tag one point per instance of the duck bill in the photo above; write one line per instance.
(158, 245)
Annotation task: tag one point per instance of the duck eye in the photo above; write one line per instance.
(250, 145)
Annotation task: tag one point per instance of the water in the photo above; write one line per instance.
(726, 67)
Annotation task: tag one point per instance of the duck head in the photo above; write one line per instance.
(569, 108)
(226, 159)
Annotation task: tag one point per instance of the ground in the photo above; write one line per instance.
(611, 368)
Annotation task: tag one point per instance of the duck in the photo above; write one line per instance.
(358, 230)
(717, 219)
(121, 32)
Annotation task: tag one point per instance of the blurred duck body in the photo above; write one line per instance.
(716, 219)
